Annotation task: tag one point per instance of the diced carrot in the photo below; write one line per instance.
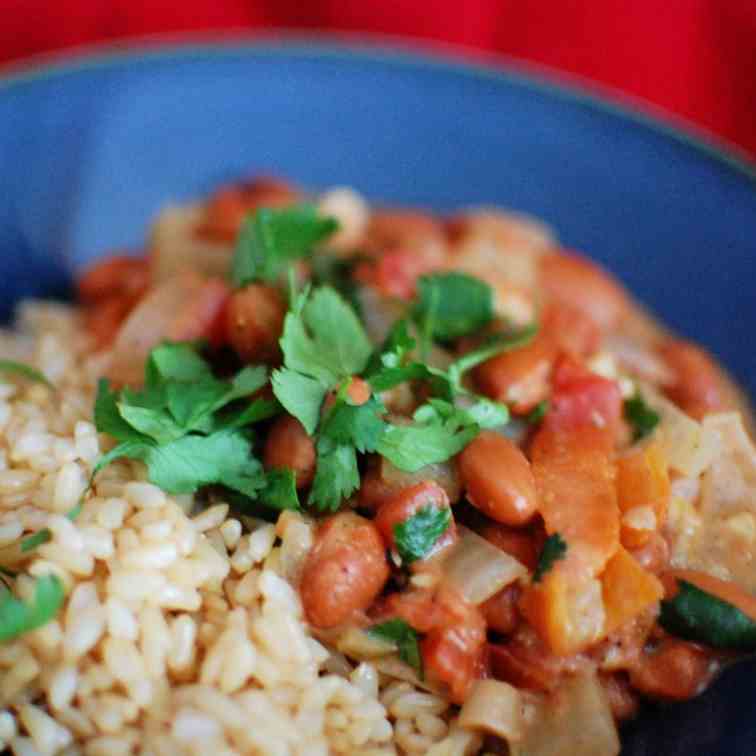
(574, 475)
(726, 590)
(642, 482)
(627, 590)
(565, 610)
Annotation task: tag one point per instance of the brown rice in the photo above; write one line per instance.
(178, 634)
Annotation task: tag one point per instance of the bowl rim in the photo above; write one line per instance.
(406, 52)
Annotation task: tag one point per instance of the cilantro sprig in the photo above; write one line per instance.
(642, 417)
(18, 617)
(271, 239)
(11, 367)
(404, 637)
(451, 305)
(182, 425)
(696, 615)
(554, 549)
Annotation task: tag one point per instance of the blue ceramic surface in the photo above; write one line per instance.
(90, 150)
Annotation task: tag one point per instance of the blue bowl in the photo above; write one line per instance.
(90, 149)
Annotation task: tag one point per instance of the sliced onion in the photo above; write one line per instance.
(719, 535)
(688, 446)
(576, 719)
(179, 309)
(359, 644)
(495, 708)
(477, 569)
(175, 246)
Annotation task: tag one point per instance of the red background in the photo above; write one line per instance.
(695, 58)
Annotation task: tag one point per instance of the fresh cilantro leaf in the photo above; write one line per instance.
(361, 426)
(398, 632)
(177, 361)
(336, 475)
(11, 367)
(696, 615)
(388, 377)
(330, 271)
(300, 396)
(259, 409)
(155, 423)
(553, 550)
(412, 447)
(455, 304)
(326, 340)
(108, 418)
(417, 535)
(17, 617)
(280, 491)
(273, 238)
(538, 412)
(467, 410)
(188, 463)
(128, 449)
(396, 346)
(642, 417)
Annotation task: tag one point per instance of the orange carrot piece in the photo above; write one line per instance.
(627, 590)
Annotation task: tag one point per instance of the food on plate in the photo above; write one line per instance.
(310, 476)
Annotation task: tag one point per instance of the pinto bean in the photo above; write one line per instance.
(498, 479)
(698, 387)
(288, 445)
(571, 279)
(345, 570)
(676, 670)
(228, 208)
(254, 320)
(519, 378)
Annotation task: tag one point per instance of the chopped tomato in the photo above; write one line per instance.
(574, 332)
(453, 649)
(524, 544)
(525, 662)
(582, 399)
(395, 272)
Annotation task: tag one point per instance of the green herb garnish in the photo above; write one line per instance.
(538, 412)
(642, 417)
(11, 367)
(398, 632)
(418, 534)
(698, 616)
(553, 550)
(451, 305)
(182, 425)
(271, 239)
(18, 617)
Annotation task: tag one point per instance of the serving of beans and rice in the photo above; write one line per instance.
(494, 517)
